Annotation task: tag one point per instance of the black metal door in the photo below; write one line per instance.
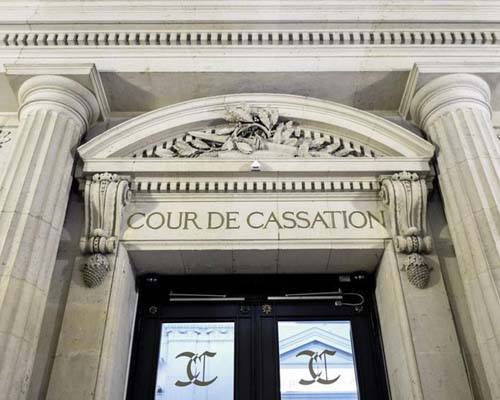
(259, 308)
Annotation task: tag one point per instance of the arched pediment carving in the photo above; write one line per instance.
(274, 125)
(256, 132)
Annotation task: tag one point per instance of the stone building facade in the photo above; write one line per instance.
(233, 137)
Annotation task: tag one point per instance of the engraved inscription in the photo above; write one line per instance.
(229, 220)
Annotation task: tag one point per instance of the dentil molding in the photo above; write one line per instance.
(247, 38)
(260, 49)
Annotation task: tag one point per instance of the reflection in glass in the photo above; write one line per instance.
(196, 361)
(316, 360)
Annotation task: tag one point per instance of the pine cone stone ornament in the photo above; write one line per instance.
(419, 273)
(95, 269)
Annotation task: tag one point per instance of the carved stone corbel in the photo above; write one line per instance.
(105, 197)
(405, 196)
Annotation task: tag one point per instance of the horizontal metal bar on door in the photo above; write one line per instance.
(187, 299)
(309, 296)
(179, 297)
(280, 298)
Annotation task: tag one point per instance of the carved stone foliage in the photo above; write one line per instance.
(405, 196)
(252, 131)
(5, 137)
(105, 196)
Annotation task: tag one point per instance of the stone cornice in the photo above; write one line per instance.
(233, 10)
(232, 48)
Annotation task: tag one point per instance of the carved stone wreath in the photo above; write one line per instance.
(250, 130)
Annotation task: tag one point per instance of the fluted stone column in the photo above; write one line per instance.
(455, 113)
(54, 113)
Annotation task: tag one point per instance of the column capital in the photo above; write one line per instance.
(59, 93)
(446, 93)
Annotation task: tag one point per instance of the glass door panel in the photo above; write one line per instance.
(316, 360)
(196, 361)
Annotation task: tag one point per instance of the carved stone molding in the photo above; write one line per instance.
(405, 196)
(255, 132)
(255, 184)
(105, 197)
(238, 38)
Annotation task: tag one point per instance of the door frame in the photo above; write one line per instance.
(256, 337)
